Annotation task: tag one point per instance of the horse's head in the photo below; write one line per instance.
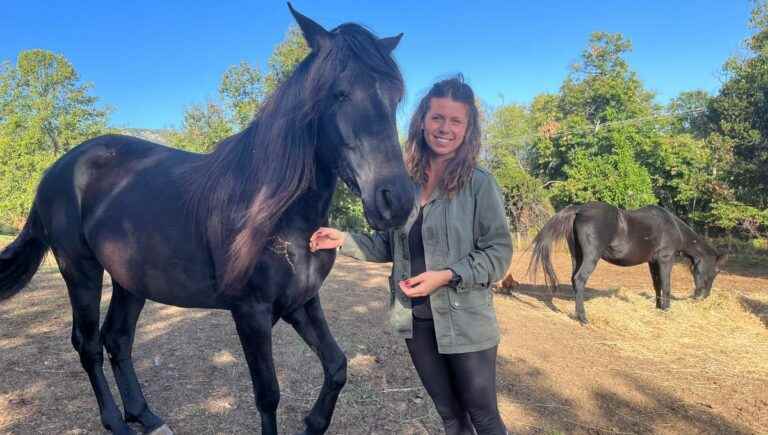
(705, 268)
(354, 88)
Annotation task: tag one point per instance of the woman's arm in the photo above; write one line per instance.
(374, 247)
(490, 259)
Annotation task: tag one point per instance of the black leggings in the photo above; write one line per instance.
(462, 385)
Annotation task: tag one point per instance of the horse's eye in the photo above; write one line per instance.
(341, 96)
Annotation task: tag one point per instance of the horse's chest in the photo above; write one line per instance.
(291, 273)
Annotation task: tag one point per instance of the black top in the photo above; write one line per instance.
(421, 306)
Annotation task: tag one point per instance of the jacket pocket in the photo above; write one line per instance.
(471, 299)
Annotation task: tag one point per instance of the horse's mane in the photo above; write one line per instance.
(238, 192)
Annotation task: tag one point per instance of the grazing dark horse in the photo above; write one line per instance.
(650, 235)
(225, 230)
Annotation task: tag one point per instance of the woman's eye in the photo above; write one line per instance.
(342, 96)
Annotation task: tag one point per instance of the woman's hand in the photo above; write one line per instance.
(326, 238)
(425, 283)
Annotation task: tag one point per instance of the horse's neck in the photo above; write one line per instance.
(692, 243)
(314, 205)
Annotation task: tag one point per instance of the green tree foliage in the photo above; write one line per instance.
(284, 59)
(44, 111)
(599, 93)
(203, 127)
(739, 115)
(508, 133)
(615, 178)
(43, 104)
(690, 116)
(738, 216)
(595, 126)
(242, 90)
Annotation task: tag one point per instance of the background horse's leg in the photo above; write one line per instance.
(576, 258)
(118, 332)
(254, 326)
(84, 277)
(309, 322)
(665, 279)
(590, 252)
(654, 267)
(579, 282)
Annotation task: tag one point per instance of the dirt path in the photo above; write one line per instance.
(700, 368)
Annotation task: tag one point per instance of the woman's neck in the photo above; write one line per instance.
(434, 174)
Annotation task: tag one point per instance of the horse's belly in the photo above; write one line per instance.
(628, 257)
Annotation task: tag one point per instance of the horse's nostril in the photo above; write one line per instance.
(384, 203)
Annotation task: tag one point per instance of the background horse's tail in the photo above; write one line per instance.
(561, 225)
(21, 259)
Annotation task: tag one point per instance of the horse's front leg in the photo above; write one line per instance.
(309, 322)
(254, 326)
(654, 267)
(665, 280)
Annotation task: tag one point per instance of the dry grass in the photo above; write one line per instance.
(719, 330)
(701, 367)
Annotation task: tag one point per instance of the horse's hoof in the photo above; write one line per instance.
(162, 430)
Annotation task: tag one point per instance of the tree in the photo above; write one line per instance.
(43, 104)
(614, 178)
(689, 110)
(44, 112)
(292, 50)
(202, 128)
(599, 93)
(242, 89)
(739, 115)
(508, 134)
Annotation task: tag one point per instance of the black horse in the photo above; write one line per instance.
(225, 230)
(650, 235)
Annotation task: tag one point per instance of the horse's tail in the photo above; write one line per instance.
(559, 226)
(21, 259)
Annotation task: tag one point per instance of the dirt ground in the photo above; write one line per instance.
(701, 367)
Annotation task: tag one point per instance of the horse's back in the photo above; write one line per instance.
(121, 201)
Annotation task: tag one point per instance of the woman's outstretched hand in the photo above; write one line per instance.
(326, 238)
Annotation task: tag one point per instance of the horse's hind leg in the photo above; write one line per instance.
(589, 248)
(309, 322)
(83, 276)
(118, 332)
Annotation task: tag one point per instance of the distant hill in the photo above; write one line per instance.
(151, 134)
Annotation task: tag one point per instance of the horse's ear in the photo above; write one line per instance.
(388, 45)
(315, 35)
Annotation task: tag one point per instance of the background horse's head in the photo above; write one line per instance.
(705, 267)
(353, 88)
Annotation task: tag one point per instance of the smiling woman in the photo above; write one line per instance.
(446, 256)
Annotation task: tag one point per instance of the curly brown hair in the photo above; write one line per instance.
(459, 168)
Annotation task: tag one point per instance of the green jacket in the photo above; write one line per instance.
(468, 234)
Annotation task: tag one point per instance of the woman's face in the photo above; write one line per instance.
(445, 126)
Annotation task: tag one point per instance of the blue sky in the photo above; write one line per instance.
(150, 60)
